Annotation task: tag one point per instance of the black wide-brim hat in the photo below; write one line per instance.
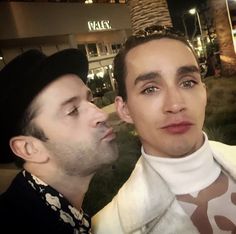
(23, 78)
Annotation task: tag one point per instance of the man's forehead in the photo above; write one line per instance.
(63, 87)
(156, 50)
(160, 42)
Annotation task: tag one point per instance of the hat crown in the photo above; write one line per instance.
(16, 69)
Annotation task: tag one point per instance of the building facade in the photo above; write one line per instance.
(97, 29)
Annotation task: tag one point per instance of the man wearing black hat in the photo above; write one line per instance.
(62, 139)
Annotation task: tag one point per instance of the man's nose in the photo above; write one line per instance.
(98, 116)
(174, 101)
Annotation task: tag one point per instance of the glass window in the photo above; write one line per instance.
(102, 48)
(92, 50)
(115, 48)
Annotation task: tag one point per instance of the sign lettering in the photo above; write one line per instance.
(99, 25)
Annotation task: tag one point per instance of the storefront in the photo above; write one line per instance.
(97, 29)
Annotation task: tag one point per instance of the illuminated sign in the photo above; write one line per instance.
(99, 25)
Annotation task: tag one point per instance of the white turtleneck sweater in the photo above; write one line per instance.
(188, 174)
(206, 194)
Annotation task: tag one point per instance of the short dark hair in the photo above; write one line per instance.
(153, 32)
(28, 127)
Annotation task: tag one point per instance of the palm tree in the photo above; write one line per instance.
(146, 12)
(224, 35)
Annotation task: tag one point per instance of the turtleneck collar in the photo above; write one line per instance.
(188, 174)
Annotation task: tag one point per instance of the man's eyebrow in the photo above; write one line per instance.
(147, 76)
(76, 98)
(187, 69)
(69, 100)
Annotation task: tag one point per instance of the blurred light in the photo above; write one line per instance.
(227, 59)
(199, 41)
(88, 1)
(198, 53)
(192, 11)
(1, 58)
(100, 74)
(200, 48)
(91, 76)
(199, 44)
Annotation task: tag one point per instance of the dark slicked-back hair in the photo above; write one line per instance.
(150, 33)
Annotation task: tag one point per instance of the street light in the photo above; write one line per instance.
(193, 11)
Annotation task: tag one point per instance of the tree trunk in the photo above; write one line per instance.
(224, 35)
(146, 12)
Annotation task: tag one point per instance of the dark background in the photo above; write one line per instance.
(179, 7)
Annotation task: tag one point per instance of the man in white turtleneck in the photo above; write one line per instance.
(182, 183)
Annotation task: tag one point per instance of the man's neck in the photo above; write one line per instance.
(189, 174)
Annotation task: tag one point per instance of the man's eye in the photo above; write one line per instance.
(188, 84)
(149, 90)
(74, 111)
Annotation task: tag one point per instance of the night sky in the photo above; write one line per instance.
(178, 7)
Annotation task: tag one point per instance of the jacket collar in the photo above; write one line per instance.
(143, 185)
(225, 155)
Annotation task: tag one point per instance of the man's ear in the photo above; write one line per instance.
(27, 148)
(122, 110)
